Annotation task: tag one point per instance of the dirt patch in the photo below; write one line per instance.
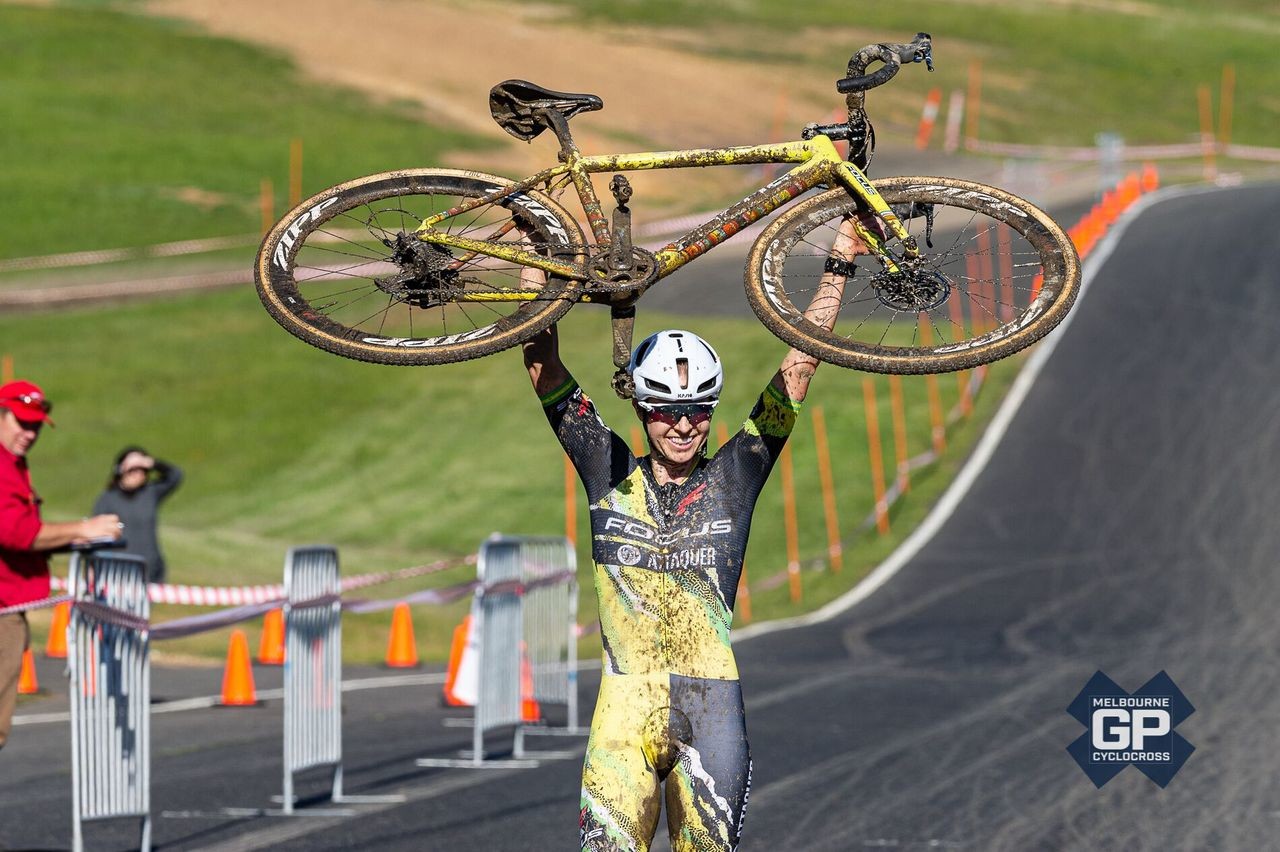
(659, 93)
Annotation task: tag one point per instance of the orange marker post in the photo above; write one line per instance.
(986, 271)
(55, 646)
(295, 172)
(722, 435)
(974, 102)
(899, 413)
(835, 552)
(1004, 257)
(267, 204)
(570, 503)
(742, 604)
(6, 368)
(1208, 144)
(789, 521)
(877, 457)
(936, 422)
(928, 118)
(637, 443)
(1226, 103)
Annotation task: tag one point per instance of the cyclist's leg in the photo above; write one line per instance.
(620, 787)
(708, 787)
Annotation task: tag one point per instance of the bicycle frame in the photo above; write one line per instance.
(819, 162)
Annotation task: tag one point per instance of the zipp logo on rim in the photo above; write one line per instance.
(417, 342)
(982, 196)
(290, 236)
(544, 215)
(770, 279)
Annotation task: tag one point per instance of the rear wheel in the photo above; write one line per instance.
(344, 272)
(1000, 274)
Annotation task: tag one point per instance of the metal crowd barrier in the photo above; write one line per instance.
(499, 621)
(313, 674)
(110, 673)
(549, 571)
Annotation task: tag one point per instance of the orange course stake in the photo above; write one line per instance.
(237, 677)
(936, 421)
(267, 204)
(637, 443)
(402, 650)
(271, 643)
(877, 457)
(835, 552)
(928, 117)
(789, 520)
(55, 647)
(27, 682)
(6, 368)
(899, 413)
(743, 601)
(570, 503)
(295, 172)
(1208, 144)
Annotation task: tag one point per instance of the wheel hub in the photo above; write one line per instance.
(912, 290)
(425, 278)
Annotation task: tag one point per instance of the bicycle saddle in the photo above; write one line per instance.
(515, 103)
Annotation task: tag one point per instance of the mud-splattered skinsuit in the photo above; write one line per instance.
(667, 562)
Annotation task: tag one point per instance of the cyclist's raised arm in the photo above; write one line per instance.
(797, 368)
(542, 360)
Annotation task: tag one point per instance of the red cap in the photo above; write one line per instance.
(26, 401)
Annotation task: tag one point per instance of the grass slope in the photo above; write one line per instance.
(283, 444)
(1053, 72)
(287, 445)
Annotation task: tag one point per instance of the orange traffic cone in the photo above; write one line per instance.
(402, 651)
(55, 646)
(529, 709)
(27, 683)
(271, 643)
(237, 678)
(456, 648)
(1150, 177)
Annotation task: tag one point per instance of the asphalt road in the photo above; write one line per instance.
(1124, 523)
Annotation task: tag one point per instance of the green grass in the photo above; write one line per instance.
(124, 130)
(286, 445)
(1052, 73)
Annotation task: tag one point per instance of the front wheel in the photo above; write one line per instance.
(345, 271)
(999, 275)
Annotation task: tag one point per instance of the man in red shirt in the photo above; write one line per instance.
(24, 539)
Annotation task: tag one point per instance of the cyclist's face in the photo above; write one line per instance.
(679, 442)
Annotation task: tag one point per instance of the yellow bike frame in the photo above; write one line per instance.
(819, 163)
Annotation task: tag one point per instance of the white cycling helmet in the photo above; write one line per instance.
(655, 368)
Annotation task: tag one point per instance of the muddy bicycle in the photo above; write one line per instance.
(429, 266)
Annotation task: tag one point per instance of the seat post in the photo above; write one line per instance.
(559, 125)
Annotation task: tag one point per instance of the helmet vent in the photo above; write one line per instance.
(658, 386)
(707, 385)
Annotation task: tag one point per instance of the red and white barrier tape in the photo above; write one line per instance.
(184, 595)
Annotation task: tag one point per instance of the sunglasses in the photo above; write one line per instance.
(670, 415)
(27, 399)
